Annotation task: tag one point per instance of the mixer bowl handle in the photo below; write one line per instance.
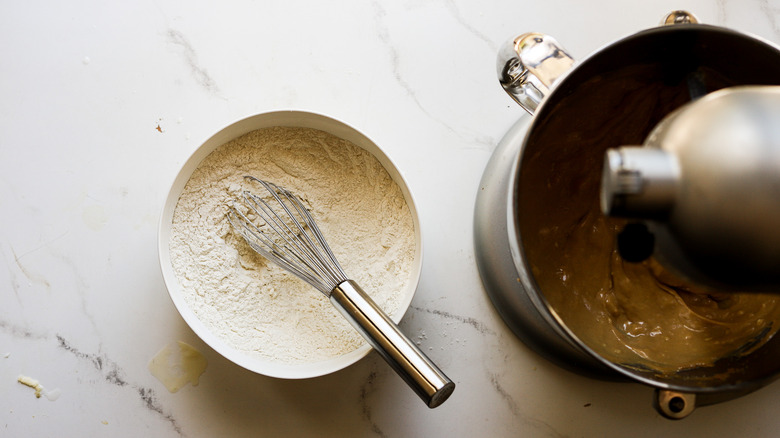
(529, 65)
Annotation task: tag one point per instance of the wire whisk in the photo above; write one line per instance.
(278, 226)
(292, 240)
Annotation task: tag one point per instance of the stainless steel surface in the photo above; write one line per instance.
(512, 288)
(688, 58)
(674, 405)
(679, 17)
(279, 227)
(529, 65)
(404, 356)
(639, 181)
(708, 179)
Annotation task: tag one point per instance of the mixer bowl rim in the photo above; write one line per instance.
(525, 277)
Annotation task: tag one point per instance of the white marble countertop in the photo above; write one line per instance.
(101, 103)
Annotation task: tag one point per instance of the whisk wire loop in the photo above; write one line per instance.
(282, 230)
(333, 267)
(296, 244)
(311, 249)
(261, 243)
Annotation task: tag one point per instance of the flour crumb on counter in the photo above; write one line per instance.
(32, 383)
(39, 389)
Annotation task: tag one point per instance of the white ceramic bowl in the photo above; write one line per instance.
(265, 120)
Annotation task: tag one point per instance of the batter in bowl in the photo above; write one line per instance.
(635, 314)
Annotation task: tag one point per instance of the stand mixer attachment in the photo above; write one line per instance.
(707, 184)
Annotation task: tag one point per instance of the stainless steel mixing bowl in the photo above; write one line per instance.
(674, 54)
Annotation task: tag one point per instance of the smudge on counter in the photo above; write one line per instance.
(177, 364)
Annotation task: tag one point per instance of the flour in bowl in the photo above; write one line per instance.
(253, 305)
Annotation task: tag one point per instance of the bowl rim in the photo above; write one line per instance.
(235, 129)
(683, 381)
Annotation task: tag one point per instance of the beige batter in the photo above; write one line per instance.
(635, 314)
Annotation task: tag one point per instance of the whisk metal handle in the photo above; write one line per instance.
(425, 378)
